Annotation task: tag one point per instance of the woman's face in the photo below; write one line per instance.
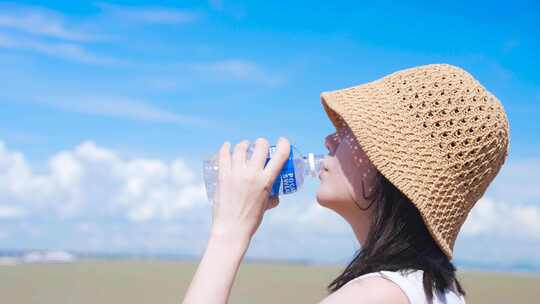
(346, 167)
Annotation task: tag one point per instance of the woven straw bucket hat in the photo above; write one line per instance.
(434, 132)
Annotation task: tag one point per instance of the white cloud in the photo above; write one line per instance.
(517, 181)
(502, 219)
(7, 211)
(149, 14)
(3, 235)
(237, 69)
(46, 32)
(158, 201)
(69, 51)
(94, 182)
(123, 108)
(39, 21)
(183, 74)
(110, 106)
(308, 217)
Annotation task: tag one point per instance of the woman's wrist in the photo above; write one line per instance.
(235, 242)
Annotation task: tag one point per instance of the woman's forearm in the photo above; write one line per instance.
(217, 270)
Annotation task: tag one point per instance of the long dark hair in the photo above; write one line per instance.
(398, 240)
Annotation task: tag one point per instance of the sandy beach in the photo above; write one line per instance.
(165, 282)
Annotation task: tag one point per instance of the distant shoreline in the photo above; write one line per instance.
(17, 257)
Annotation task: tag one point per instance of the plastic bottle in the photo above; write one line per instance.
(289, 180)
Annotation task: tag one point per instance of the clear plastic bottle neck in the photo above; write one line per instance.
(312, 164)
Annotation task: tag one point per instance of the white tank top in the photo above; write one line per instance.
(412, 286)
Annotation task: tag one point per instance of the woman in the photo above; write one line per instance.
(412, 153)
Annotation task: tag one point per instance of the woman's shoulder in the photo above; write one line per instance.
(369, 289)
(409, 282)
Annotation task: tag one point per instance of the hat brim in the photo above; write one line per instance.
(361, 108)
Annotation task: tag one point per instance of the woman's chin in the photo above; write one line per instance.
(330, 197)
(323, 197)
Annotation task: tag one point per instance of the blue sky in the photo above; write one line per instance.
(107, 109)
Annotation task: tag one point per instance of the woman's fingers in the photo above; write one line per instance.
(274, 166)
(260, 154)
(240, 154)
(224, 162)
(258, 158)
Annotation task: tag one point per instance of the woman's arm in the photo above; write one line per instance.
(241, 199)
(217, 270)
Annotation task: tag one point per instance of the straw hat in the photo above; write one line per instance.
(433, 131)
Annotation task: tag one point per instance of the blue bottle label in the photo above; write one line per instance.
(286, 177)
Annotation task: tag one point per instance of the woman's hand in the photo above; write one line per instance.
(244, 186)
(240, 201)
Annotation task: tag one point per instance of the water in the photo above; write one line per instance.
(289, 180)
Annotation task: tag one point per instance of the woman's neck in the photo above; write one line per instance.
(360, 222)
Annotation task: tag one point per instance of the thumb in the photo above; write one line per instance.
(275, 164)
